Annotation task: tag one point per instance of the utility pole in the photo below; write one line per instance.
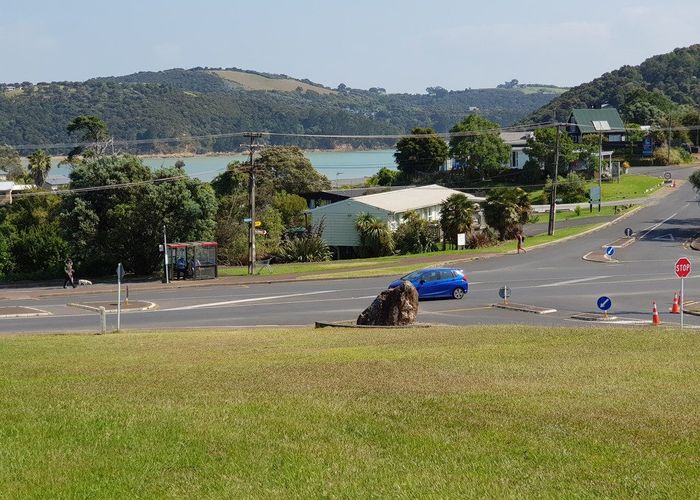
(600, 169)
(553, 201)
(251, 200)
(668, 142)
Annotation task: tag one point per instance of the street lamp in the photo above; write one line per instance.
(337, 181)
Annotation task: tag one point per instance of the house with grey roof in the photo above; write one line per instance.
(606, 122)
(338, 218)
(55, 182)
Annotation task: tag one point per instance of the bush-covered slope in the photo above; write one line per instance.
(658, 84)
(182, 103)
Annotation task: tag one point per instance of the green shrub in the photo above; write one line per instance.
(40, 251)
(415, 235)
(309, 247)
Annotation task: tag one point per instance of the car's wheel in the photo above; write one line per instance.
(458, 293)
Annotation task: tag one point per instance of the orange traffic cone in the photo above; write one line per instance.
(655, 316)
(676, 307)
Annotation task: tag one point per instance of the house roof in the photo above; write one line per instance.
(57, 180)
(597, 120)
(6, 185)
(411, 198)
(516, 138)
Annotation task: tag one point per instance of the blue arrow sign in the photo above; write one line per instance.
(610, 251)
(604, 303)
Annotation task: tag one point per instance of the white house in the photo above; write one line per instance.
(517, 142)
(339, 218)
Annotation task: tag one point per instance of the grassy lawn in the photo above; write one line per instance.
(629, 187)
(585, 214)
(445, 412)
(396, 264)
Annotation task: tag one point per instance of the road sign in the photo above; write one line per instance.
(595, 194)
(258, 223)
(461, 239)
(247, 220)
(610, 251)
(604, 303)
(667, 176)
(629, 232)
(120, 272)
(683, 268)
(504, 292)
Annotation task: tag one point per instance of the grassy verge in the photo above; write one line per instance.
(629, 187)
(445, 412)
(584, 214)
(383, 266)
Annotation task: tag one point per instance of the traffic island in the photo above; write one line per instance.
(593, 317)
(691, 307)
(21, 312)
(111, 306)
(524, 308)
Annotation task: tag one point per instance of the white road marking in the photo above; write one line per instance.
(647, 231)
(571, 282)
(241, 301)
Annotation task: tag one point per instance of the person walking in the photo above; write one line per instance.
(68, 273)
(521, 240)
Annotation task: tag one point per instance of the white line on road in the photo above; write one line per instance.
(647, 231)
(240, 301)
(571, 282)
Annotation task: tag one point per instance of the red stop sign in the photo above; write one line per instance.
(683, 267)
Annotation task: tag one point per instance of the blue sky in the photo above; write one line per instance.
(403, 46)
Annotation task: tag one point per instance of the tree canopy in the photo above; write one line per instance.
(418, 154)
(476, 142)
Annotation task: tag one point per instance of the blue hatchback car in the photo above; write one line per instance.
(434, 283)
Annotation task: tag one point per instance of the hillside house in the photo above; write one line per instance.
(604, 121)
(339, 218)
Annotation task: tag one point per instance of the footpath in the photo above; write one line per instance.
(54, 289)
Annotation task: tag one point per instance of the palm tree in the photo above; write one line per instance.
(506, 210)
(456, 216)
(376, 239)
(39, 166)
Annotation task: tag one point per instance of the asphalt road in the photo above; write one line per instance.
(555, 276)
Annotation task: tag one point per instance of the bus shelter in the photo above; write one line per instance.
(192, 260)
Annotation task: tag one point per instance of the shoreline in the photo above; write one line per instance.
(164, 156)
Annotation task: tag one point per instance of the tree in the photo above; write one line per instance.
(92, 130)
(287, 169)
(506, 210)
(416, 154)
(291, 208)
(100, 225)
(376, 238)
(39, 166)
(11, 163)
(477, 142)
(385, 177)
(571, 189)
(542, 148)
(456, 216)
(415, 235)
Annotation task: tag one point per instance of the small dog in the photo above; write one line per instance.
(84, 282)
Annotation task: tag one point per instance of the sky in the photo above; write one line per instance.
(402, 46)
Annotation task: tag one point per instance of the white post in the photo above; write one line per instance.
(682, 293)
(103, 320)
(119, 302)
(165, 254)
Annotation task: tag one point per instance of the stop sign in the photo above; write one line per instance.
(683, 267)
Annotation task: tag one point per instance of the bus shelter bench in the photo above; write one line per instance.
(263, 265)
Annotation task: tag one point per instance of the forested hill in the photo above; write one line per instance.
(203, 101)
(642, 94)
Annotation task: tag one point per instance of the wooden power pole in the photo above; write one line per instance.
(251, 199)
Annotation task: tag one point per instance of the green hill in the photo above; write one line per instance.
(208, 101)
(642, 94)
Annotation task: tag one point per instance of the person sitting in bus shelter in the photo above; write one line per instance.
(181, 268)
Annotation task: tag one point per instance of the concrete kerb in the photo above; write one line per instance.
(146, 307)
(341, 324)
(588, 257)
(524, 308)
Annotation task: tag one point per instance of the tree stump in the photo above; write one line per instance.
(394, 307)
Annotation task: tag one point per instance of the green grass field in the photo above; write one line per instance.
(442, 412)
(585, 214)
(629, 187)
